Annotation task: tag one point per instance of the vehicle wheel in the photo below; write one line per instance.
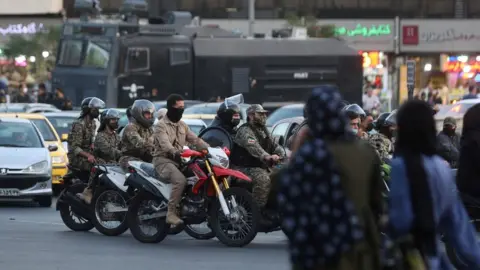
(140, 206)
(44, 201)
(241, 228)
(109, 223)
(200, 233)
(176, 230)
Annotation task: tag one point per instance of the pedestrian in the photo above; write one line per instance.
(22, 94)
(331, 176)
(468, 169)
(42, 95)
(472, 92)
(423, 202)
(449, 142)
(58, 99)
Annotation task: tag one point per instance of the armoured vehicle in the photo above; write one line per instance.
(121, 61)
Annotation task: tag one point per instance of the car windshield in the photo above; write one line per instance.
(91, 53)
(14, 134)
(284, 113)
(47, 133)
(62, 124)
(202, 109)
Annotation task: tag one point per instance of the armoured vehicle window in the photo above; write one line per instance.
(138, 59)
(70, 53)
(98, 54)
(179, 56)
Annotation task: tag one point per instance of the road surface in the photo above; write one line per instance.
(35, 238)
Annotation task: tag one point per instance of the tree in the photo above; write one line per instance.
(313, 29)
(35, 45)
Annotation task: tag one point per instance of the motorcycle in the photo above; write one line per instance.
(207, 196)
(108, 205)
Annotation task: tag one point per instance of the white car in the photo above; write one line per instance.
(25, 162)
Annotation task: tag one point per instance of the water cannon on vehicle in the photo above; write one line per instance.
(87, 8)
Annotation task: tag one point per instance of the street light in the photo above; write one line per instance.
(32, 59)
(45, 54)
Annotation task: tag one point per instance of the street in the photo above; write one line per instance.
(32, 237)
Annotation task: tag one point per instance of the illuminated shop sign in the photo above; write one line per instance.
(365, 31)
(22, 29)
(462, 67)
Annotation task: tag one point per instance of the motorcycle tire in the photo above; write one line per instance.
(216, 211)
(133, 222)
(67, 215)
(198, 235)
(176, 230)
(120, 229)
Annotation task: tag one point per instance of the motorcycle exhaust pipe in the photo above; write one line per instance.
(78, 206)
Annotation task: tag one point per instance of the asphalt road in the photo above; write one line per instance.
(36, 238)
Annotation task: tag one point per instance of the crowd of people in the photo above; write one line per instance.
(331, 192)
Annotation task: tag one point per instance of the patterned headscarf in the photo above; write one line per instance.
(317, 217)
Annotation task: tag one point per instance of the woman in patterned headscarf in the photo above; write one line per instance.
(326, 196)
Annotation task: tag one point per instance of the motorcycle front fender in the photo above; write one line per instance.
(104, 181)
(218, 171)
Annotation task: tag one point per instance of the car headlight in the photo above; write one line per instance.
(40, 167)
(58, 160)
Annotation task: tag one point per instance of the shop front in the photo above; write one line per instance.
(27, 27)
(447, 46)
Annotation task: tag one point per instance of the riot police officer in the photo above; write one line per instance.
(254, 151)
(382, 141)
(356, 114)
(81, 138)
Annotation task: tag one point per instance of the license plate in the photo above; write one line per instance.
(9, 192)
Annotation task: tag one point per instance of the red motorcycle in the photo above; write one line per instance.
(230, 211)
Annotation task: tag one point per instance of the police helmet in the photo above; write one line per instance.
(354, 111)
(391, 120)
(109, 114)
(381, 119)
(225, 113)
(139, 108)
(90, 103)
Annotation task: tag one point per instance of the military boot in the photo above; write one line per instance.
(175, 197)
(86, 195)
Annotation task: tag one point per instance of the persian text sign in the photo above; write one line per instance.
(440, 36)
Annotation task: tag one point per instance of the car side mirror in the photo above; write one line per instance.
(52, 148)
(281, 140)
(64, 137)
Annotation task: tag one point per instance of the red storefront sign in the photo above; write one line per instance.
(410, 35)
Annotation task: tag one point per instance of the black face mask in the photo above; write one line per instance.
(370, 127)
(449, 131)
(113, 125)
(175, 114)
(94, 113)
(235, 122)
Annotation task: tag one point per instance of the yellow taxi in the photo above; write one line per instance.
(50, 136)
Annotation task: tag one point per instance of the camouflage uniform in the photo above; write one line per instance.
(382, 144)
(106, 147)
(136, 144)
(247, 138)
(80, 140)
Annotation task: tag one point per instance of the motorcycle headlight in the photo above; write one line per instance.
(40, 167)
(58, 160)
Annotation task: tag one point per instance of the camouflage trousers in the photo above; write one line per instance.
(261, 184)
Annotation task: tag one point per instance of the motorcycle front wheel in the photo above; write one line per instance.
(110, 212)
(240, 227)
(140, 213)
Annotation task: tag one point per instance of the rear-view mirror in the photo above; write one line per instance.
(52, 148)
(64, 137)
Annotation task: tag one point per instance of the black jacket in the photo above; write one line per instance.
(219, 123)
(449, 148)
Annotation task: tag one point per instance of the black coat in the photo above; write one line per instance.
(449, 148)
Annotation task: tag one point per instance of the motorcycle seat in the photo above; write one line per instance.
(149, 169)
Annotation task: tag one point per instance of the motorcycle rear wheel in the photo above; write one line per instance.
(134, 223)
(122, 227)
(67, 214)
(245, 200)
